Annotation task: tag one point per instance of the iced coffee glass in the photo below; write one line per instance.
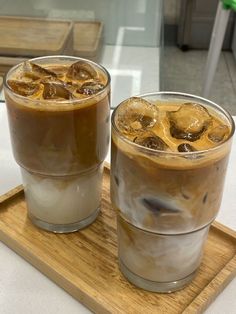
(58, 112)
(169, 159)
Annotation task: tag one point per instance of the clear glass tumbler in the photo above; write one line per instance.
(58, 112)
(166, 190)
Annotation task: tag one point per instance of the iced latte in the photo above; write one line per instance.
(169, 159)
(58, 111)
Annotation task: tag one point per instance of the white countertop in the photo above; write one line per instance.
(24, 290)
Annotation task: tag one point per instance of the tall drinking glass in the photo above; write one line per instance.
(169, 158)
(58, 112)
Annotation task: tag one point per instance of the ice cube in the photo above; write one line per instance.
(23, 88)
(55, 91)
(35, 71)
(219, 133)
(90, 88)
(60, 70)
(185, 148)
(159, 206)
(71, 86)
(81, 71)
(151, 140)
(189, 121)
(136, 115)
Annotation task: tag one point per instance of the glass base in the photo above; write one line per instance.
(162, 287)
(64, 228)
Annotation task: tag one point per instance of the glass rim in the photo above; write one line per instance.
(61, 102)
(171, 153)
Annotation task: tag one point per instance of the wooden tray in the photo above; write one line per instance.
(87, 37)
(85, 263)
(8, 62)
(24, 36)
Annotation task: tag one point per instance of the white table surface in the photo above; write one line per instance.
(24, 290)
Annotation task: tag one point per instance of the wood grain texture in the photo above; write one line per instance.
(84, 263)
(6, 63)
(24, 36)
(87, 37)
(12, 193)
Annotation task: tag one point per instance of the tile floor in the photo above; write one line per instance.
(183, 71)
(133, 70)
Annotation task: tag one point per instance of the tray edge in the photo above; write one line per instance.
(84, 298)
(224, 229)
(213, 289)
(11, 193)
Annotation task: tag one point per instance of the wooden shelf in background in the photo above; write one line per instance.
(87, 38)
(25, 36)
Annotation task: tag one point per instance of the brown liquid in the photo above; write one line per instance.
(165, 199)
(168, 192)
(58, 136)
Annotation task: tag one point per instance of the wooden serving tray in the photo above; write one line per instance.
(24, 36)
(6, 63)
(87, 38)
(84, 263)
